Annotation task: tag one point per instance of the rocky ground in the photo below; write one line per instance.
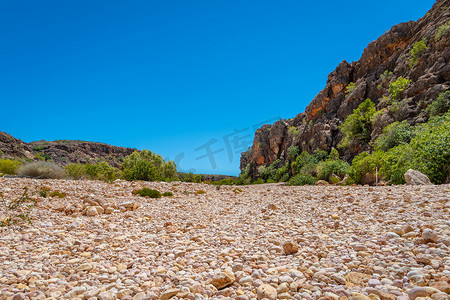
(263, 241)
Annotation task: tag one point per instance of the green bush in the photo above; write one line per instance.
(101, 171)
(350, 88)
(417, 51)
(258, 181)
(428, 152)
(148, 166)
(167, 194)
(293, 152)
(8, 166)
(301, 179)
(357, 126)
(147, 192)
(293, 131)
(442, 31)
(190, 177)
(282, 174)
(441, 105)
(385, 78)
(57, 194)
(393, 135)
(42, 170)
(364, 163)
(397, 87)
(329, 166)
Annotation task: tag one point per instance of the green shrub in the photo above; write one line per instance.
(101, 171)
(357, 126)
(258, 181)
(385, 78)
(417, 50)
(42, 170)
(334, 154)
(397, 87)
(190, 177)
(393, 135)
(329, 166)
(293, 152)
(301, 179)
(350, 88)
(8, 166)
(428, 152)
(148, 166)
(167, 194)
(293, 131)
(442, 31)
(441, 105)
(17, 211)
(365, 163)
(57, 194)
(147, 192)
(282, 174)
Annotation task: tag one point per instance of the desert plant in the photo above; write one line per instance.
(17, 211)
(350, 88)
(357, 126)
(365, 163)
(394, 134)
(293, 131)
(397, 87)
(441, 105)
(301, 179)
(147, 192)
(293, 152)
(330, 166)
(417, 51)
(200, 192)
(41, 170)
(8, 166)
(167, 194)
(58, 194)
(149, 166)
(442, 31)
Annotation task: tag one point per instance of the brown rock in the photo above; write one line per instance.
(290, 248)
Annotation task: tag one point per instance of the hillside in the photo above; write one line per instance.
(417, 52)
(62, 152)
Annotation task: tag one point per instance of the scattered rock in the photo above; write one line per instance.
(290, 248)
(414, 177)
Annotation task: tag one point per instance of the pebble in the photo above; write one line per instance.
(227, 245)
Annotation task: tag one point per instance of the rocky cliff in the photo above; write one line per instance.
(318, 126)
(62, 152)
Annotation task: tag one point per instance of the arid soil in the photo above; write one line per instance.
(261, 241)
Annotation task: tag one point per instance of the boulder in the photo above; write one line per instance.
(414, 177)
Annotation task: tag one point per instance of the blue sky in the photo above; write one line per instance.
(176, 77)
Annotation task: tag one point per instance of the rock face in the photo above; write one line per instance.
(413, 177)
(318, 126)
(63, 152)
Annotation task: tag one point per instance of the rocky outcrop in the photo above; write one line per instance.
(62, 152)
(318, 126)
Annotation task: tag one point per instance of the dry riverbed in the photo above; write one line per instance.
(265, 241)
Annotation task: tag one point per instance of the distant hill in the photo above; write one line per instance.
(62, 152)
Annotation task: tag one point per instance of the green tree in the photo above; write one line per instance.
(357, 127)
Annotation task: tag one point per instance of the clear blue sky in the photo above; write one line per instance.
(176, 77)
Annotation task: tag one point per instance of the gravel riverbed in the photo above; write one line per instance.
(238, 242)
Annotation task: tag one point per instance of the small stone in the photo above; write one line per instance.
(290, 248)
(358, 296)
(169, 294)
(266, 291)
(84, 267)
(109, 210)
(91, 212)
(417, 292)
(430, 235)
(108, 295)
(223, 279)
